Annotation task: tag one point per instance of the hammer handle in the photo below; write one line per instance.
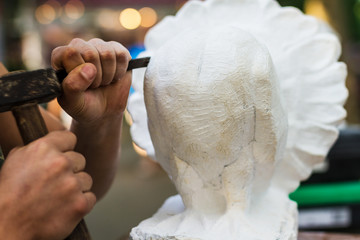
(32, 126)
(29, 121)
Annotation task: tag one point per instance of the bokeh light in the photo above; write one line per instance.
(109, 19)
(74, 9)
(130, 18)
(316, 8)
(56, 5)
(148, 17)
(45, 14)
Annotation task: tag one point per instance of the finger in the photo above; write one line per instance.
(63, 140)
(121, 90)
(122, 60)
(107, 58)
(66, 57)
(90, 55)
(74, 87)
(84, 203)
(85, 181)
(80, 78)
(91, 200)
(77, 161)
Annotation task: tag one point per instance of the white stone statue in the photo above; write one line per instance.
(240, 101)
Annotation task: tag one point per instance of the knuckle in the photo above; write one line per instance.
(71, 136)
(82, 161)
(95, 41)
(61, 164)
(90, 55)
(88, 179)
(72, 185)
(107, 55)
(81, 205)
(77, 41)
(55, 52)
(122, 57)
(70, 52)
(40, 145)
(118, 46)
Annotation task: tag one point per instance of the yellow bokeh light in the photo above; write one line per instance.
(74, 9)
(108, 19)
(130, 18)
(148, 17)
(56, 5)
(45, 14)
(316, 8)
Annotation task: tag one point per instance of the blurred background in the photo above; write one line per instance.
(30, 29)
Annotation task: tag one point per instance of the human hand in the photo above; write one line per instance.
(97, 85)
(44, 192)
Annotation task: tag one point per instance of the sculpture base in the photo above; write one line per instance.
(273, 218)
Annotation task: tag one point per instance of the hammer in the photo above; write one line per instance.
(22, 91)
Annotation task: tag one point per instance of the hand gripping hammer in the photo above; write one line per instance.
(22, 91)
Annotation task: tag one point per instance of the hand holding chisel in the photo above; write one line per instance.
(22, 91)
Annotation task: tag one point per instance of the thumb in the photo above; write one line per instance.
(74, 87)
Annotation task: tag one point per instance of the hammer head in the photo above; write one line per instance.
(39, 86)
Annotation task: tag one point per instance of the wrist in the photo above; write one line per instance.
(99, 129)
(101, 123)
(14, 235)
(10, 227)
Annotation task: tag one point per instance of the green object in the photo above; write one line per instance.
(327, 194)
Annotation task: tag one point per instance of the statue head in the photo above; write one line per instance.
(215, 114)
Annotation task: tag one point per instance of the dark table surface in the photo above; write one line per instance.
(327, 236)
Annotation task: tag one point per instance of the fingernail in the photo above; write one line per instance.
(88, 71)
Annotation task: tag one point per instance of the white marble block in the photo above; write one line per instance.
(240, 101)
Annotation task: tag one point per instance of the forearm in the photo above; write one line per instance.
(100, 144)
